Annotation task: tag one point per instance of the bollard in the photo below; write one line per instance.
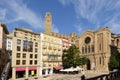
(83, 77)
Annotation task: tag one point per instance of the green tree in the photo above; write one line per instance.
(71, 57)
(113, 62)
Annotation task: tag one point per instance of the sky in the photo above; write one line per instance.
(67, 15)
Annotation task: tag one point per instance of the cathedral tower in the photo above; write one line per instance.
(48, 23)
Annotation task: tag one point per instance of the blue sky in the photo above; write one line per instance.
(67, 15)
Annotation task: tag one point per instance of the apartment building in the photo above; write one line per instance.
(51, 48)
(25, 54)
(3, 52)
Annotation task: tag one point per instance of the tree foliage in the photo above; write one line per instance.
(72, 58)
(114, 60)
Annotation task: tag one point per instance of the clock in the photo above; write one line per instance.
(87, 40)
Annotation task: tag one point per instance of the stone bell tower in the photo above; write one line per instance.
(48, 23)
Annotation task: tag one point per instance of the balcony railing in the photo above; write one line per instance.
(44, 59)
(59, 49)
(44, 46)
(55, 48)
(50, 47)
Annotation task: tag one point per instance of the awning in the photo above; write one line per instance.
(20, 69)
(58, 67)
(32, 68)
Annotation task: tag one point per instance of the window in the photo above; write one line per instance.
(35, 55)
(99, 46)
(17, 62)
(15, 34)
(88, 49)
(26, 38)
(117, 42)
(23, 62)
(18, 48)
(31, 62)
(24, 55)
(36, 50)
(18, 55)
(36, 44)
(34, 39)
(18, 41)
(27, 46)
(25, 34)
(82, 49)
(92, 48)
(9, 42)
(85, 49)
(35, 62)
(30, 48)
(100, 60)
(31, 55)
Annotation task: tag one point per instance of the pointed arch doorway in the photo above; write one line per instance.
(88, 65)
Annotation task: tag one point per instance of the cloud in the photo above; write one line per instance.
(96, 13)
(79, 28)
(65, 2)
(2, 13)
(54, 28)
(18, 11)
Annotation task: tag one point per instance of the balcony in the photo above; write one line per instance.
(59, 59)
(59, 49)
(55, 48)
(44, 58)
(44, 52)
(44, 46)
(50, 47)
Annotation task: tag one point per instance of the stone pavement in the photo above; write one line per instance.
(71, 76)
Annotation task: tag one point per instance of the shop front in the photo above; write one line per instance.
(20, 72)
(32, 71)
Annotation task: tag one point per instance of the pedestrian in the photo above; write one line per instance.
(83, 77)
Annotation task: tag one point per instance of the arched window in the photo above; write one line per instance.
(92, 48)
(88, 49)
(82, 49)
(117, 41)
(85, 49)
(100, 60)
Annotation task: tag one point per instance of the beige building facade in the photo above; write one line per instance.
(95, 45)
(51, 49)
(25, 54)
(115, 41)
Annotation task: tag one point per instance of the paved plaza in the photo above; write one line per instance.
(71, 76)
(60, 76)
